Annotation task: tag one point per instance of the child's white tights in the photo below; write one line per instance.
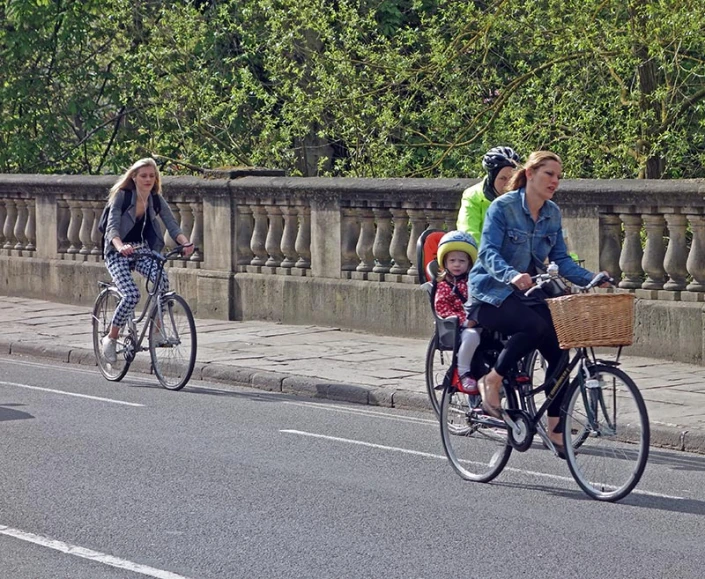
(469, 341)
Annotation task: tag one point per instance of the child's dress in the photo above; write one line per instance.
(451, 295)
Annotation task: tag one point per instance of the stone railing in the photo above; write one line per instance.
(651, 235)
(72, 226)
(17, 226)
(352, 229)
(342, 252)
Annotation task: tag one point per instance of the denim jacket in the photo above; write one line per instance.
(120, 224)
(511, 240)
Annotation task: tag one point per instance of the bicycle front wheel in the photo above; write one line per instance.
(103, 310)
(172, 343)
(477, 452)
(610, 412)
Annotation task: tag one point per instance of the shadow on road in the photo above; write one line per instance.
(247, 393)
(672, 505)
(677, 460)
(7, 413)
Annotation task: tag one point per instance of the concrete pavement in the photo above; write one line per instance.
(334, 364)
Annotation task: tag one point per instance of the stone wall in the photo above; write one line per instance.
(342, 252)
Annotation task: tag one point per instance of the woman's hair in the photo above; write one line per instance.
(126, 181)
(535, 160)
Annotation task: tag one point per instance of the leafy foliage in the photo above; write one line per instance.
(353, 87)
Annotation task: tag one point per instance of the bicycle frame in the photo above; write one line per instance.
(152, 304)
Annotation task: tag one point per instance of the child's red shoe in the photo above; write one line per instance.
(468, 385)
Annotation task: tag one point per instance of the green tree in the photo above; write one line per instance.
(353, 87)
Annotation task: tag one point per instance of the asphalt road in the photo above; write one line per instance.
(102, 480)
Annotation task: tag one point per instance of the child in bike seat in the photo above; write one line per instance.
(457, 252)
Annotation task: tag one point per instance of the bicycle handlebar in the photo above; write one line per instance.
(156, 256)
(543, 278)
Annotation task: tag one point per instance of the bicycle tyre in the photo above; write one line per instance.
(615, 449)
(476, 452)
(437, 364)
(102, 316)
(173, 346)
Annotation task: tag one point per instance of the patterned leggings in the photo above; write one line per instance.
(121, 268)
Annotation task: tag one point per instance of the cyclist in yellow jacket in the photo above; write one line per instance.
(500, 163)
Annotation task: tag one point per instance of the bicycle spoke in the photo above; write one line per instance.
(102, 316)
(611, 414)
(477, 451)
(172, 343)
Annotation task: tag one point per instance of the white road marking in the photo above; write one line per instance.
(364, 412)
(443, 457)
(28, 387)
(84, 553)
(71, 368)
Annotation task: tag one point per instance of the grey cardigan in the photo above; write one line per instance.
(119, 225)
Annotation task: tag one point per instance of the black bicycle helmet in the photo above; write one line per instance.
(499, 157)
(493, 162)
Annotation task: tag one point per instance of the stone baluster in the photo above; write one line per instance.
(654, 252)
(451, 219)
(696, 257)
(630, 258)
(187, 219)
(186, 223)
(366, 241)
(20, 224)
(288, 245)
(349, 236)
(197, 232)
(244, 234)
(677, 253)
(85, 233)
(273, 241)
(75, 218)
(436, 219)
(383, 238)
(259, 236)
(9, 226)
(418, 224)
(3, 216)
(63, 218)
(30, 230)
(303, 238)
(97, 207)
(169, 243)
(400, 241)
(610, 244)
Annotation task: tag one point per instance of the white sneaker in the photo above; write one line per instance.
(109, 349)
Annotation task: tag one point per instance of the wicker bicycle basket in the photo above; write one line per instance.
(587, 320)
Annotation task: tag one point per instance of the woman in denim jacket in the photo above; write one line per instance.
(522, 228)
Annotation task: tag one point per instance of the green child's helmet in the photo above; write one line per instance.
(456, 241)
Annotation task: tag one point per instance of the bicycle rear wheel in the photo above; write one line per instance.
(437, 364)
(172, 343)
(611, 412)
(477, 452)
(103, 310)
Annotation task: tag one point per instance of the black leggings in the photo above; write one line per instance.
(529, 327)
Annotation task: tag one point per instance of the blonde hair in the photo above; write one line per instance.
(126, 181)
(536, 159)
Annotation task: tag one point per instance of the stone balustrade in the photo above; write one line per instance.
(76, 226)
(651, 235)
(342, 252)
